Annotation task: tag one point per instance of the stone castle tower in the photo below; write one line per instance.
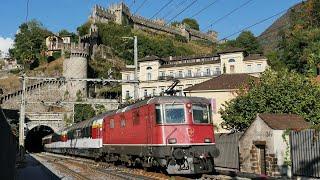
(76, 66)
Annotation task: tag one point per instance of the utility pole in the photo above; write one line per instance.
(22, 118)
(136, 94)
(135, 59)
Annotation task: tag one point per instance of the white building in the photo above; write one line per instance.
(155, 74)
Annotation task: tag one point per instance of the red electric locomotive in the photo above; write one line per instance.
(170, 132)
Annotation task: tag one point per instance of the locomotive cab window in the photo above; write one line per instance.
(201, 113)
(158, 114)
(174, 113)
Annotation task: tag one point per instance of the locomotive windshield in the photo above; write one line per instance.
(174, 113)
(201, 113)
(170, 113)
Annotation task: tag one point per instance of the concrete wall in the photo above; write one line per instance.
(8, 149)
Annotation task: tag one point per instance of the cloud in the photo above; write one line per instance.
(5, 44)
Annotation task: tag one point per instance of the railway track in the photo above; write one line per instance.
(84, 169)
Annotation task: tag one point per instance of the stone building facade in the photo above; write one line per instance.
(264, 148)
(120, 14)
(155, 74)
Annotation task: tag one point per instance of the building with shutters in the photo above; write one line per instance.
(156, 74)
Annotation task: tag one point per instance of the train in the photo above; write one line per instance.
(170, 133)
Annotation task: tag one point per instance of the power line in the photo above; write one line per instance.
(259, 22)
(228, 14)
(132, 3)
(140, 6)
(176, 7)
(27, 14)
(161, 9)
(187, 7)
(206, 7)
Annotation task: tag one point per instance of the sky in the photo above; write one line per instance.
(69, 14)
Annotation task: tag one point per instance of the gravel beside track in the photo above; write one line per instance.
(84, 169)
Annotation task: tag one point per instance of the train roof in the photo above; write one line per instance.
(88, 122)
(166, 99)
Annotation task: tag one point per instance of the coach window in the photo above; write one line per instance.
(174, 113)
(111, 123)
(201, 114)
(123, 123)
(158, 114)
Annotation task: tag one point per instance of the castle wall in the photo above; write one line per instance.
(120, 14)
(76, 67)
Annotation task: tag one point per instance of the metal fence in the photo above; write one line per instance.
(305, 153)
(228, 145)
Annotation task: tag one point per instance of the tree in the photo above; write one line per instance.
(84, 28)
(249, 42)
(299, 45)
(83, 112)
(246, 40)
(276, 92)
(29, 43)
(192, 23)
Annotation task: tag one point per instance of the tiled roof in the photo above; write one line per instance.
(284, 121)
(224, 81)
(190, 64)
(177, 58)
(254, 57)
(231, 50)
(150, 58)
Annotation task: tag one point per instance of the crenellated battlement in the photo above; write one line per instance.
(79, 50)
(120, 14)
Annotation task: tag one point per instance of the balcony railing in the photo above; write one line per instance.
(188, 75)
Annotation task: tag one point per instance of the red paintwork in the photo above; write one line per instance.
(148, 132)
(96, 131)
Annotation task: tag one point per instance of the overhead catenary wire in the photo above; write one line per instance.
(27, 13)
(161, 9)
(177, 6)
(228, 14)
(250, 26)
(141, 5)
(187, 7)
(203, 9)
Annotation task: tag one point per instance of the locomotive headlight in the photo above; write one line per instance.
(172, 141)
(207, 140)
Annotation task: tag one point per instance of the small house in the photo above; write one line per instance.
(264, 147)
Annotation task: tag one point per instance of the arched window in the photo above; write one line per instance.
(149, 68)
(232, 60)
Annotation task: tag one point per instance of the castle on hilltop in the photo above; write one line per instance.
(120, 14)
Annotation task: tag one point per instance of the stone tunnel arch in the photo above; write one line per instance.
(33, 141)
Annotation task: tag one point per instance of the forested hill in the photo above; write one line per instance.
(270, 37)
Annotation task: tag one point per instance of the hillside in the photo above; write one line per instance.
(270, 37)
(12, 82)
